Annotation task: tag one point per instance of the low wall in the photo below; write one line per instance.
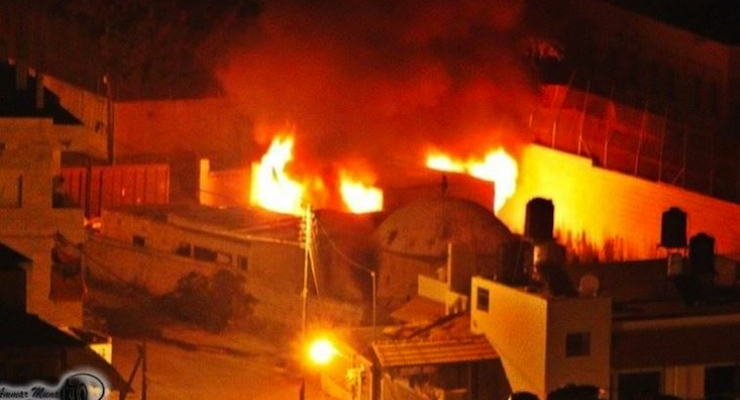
(276, 301)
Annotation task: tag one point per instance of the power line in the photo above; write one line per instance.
(336, 248)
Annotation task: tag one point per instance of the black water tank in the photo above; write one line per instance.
(673, 228)
(701, 254)
(539, 221)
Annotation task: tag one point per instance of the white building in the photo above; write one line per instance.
(637, 337)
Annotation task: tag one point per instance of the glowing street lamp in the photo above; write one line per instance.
(322, 351)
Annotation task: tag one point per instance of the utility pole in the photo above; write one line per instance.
(307, 233)
(144, 378)
(307, 245)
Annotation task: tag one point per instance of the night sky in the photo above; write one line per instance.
(715, 19)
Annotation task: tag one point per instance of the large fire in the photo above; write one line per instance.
(358, 196)
(496, 166)
(275, 189)
(272, 188)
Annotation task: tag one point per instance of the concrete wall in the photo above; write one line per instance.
(19, 132)
(90, 108)
(227, 188)
(157, 272)
(213, 128)
(578, 315)
(612, 215)
(274, 275)
(516, 326)
(28, 162)
(265, 260)
(529, 332)
(398, 275)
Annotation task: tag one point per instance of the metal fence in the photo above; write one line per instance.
(639, 142)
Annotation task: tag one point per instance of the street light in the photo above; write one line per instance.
(322, 351)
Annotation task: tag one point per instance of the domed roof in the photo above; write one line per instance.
(424, 228)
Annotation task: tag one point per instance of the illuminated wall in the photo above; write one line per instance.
(29, 159)
(532, 342)
(226, 188)
(609, 214)
(203, 127)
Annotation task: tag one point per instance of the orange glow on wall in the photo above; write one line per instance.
(610, 215)
(496, 166)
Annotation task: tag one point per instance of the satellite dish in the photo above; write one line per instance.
(588, 286)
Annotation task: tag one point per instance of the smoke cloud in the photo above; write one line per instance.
(384, 79)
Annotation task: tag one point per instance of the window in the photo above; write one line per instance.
(204, 254)
(184, 249)
(639, 385)
(242, 263)
(722, 381)
(482, 303)
(578, 344)
(11, 191)
(139, 241)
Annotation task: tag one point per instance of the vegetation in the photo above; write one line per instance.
(209, 302)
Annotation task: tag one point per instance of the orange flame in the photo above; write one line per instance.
(272, 188)
(275, 189)
(497, 166)
(358, 196)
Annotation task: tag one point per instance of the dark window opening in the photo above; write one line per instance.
(639, 385)
(204, 254)
(483, 300)
(184, 249)
(578, 344)
(60, 197)
(139, 241)
(242, 263)
(722, 382)
(10, 198)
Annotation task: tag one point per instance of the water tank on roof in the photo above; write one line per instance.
(701, 254)
(539, 221)
(673, 228)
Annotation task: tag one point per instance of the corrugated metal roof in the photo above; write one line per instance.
(438, 351)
